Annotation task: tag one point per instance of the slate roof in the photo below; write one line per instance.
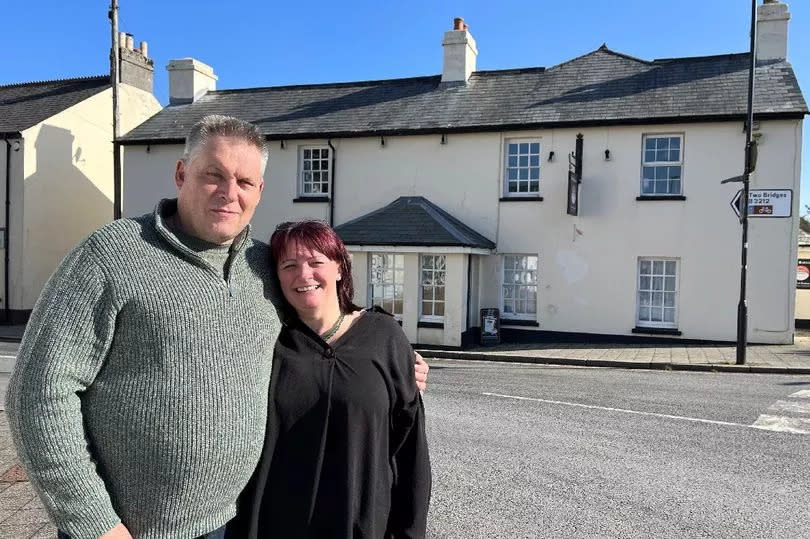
(411, 221)
(600, 87)
(25, 105)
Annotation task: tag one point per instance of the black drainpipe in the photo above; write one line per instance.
(469, 292)
(7, 310)
(332, 187)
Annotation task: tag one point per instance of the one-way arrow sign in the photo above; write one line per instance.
(736, 204)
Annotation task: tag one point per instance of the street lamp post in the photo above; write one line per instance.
(750, 156)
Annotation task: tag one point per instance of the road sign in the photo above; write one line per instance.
(765, 203)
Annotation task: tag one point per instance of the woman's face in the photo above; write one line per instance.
(308, 278)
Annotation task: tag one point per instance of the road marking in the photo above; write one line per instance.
(797, 407)
(610, 409)
(796, 425)
(803, 394)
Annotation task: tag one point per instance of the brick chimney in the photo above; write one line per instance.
(772, 30)
(189, 80)
(135, 67)
(460, 53)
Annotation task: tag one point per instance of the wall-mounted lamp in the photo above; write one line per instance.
(551, 156)
(16, 145)
(382, 141)
(444, 138)
(283, 144)
(607, 155)
(148, 148)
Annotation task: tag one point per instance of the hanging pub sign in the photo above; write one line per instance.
(574, 177)
(490, 326)
(803, 273)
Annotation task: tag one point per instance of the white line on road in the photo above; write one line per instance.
(803, 394)
(610, 409)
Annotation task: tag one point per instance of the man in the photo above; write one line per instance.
(139, 397)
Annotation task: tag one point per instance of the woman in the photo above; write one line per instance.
(346, 453)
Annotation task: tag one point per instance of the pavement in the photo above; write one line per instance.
(760, 358)
(23, 517)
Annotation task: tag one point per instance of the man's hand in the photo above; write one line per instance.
(421, 368)
(119, 532)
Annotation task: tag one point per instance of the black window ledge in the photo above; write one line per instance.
(431, 325)
(661, 197)
(311, 199)
(517, 322)
(521, 199)
(657, 331)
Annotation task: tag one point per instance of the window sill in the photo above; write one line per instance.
(311, 199)
(661, 197)
(522, 199)
(431, 325)
(519, 322)
(656, 331)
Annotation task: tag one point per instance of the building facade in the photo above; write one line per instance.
(469, 190)
(56, 170)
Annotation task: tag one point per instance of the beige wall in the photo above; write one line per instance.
(67, 187)
(588, 263)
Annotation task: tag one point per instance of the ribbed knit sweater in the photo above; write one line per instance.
(140, 389)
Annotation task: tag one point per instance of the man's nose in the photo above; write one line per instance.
(227, 189)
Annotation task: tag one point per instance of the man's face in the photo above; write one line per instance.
(219, 189)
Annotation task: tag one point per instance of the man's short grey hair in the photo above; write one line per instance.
(217, 125)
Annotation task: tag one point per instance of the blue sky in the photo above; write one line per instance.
(260, 43)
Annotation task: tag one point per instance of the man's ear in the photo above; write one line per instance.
(180, 174)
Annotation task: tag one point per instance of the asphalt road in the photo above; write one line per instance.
(595, 452)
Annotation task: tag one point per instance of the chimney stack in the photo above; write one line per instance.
(134, 66)
(189, 80)
(772, 30)
(460, 53)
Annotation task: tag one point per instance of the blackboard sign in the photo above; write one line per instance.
(803, 273)
(490, 326)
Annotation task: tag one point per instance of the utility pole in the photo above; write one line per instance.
(750, 156)
(115, 55)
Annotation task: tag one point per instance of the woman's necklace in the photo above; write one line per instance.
(331, 331)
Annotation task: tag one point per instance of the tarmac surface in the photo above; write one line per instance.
(23, 517)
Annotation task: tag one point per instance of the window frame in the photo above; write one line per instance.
(432, 317)
(505, 168)
(662, 324)
(656, 163)
(301, 171)
(513, 315)
(396, 270)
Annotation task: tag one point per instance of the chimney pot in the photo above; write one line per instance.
(144, 49)
(458, 23)
(122, 40)
(130, 42)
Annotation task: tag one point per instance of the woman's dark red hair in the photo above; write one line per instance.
(317, 236)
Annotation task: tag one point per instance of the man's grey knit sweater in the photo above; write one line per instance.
(140, 389)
